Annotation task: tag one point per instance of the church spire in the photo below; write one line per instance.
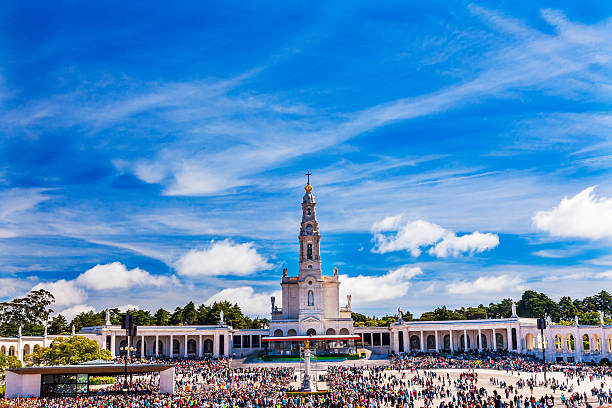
(310, 260)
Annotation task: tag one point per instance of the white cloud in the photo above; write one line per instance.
(5, 233)
(71, 312)
(583, 216)
(410, 236)
(413, 236)
(605, 275)
(11, 287)
(250, 302)
(66, 293)
(487, 284)
(125, 308)
(391, 223)
(116, 276)
(367, 289)
(222, 258)
(452, 245)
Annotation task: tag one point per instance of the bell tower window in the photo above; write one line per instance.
(309, 212)
(309, 252)
(310, 298)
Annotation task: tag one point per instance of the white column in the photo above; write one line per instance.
(113, 352)
(200, 346)
(395, 341)
(450, 335)
(437, 345)
(171, 346)
(479, 340)
(464, 340)
(407, 342)
(494, 340)
(422, 342)
(508, 339)
(226, 342)
(156, 347)
(143, 349)
(103, 341)
(185, 353)
(216, 345)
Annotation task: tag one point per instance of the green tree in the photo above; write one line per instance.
(567, 309)
(476, 313)
(30, 312)
(8, 362)
(190, 314)
(68, 350)
(58, 325)
(88, 319)
(535, 305)
(177, 317)
(162, 317)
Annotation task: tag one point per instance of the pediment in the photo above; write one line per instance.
(310, 319)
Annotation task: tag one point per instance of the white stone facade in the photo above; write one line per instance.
(310, 300)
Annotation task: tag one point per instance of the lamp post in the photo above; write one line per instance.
(127, 350)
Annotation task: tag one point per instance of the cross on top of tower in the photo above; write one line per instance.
(308, 174)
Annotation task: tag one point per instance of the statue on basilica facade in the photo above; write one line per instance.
(335, 271)
(221, 317)
(107, 321)
(400, 315)
(348, 302)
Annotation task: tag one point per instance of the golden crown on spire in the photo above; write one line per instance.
(308, 188)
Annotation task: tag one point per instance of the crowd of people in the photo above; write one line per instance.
(405, 381)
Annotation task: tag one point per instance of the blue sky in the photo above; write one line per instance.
(460, 152)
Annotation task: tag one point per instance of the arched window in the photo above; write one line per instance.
(309, 252)
(483, 341)
(208, 346)
(191, 346)
(309, 229)
(278, 333)
(330, 331)
(446, 342)
(344, 331)
(586, 343)
(415, 343)
(558, 342)
(290, 332)
(3, 351)
(311, 332)
(570, 343)
(309, 212)
(499, 341)
(310, 298)
(431, 342)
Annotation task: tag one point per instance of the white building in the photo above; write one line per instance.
(311, 306)
(311, 301)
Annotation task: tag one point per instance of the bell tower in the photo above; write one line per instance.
(310, 259)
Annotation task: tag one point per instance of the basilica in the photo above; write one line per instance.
(310, 310)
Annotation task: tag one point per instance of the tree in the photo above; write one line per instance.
(68, 350)
(536, 305)
(475, 313)
(58, 325)
(177, 317)
(88, 319)
(30, 312)
(190, 315)
(567, 309)
(8, 362)
(162, 317)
